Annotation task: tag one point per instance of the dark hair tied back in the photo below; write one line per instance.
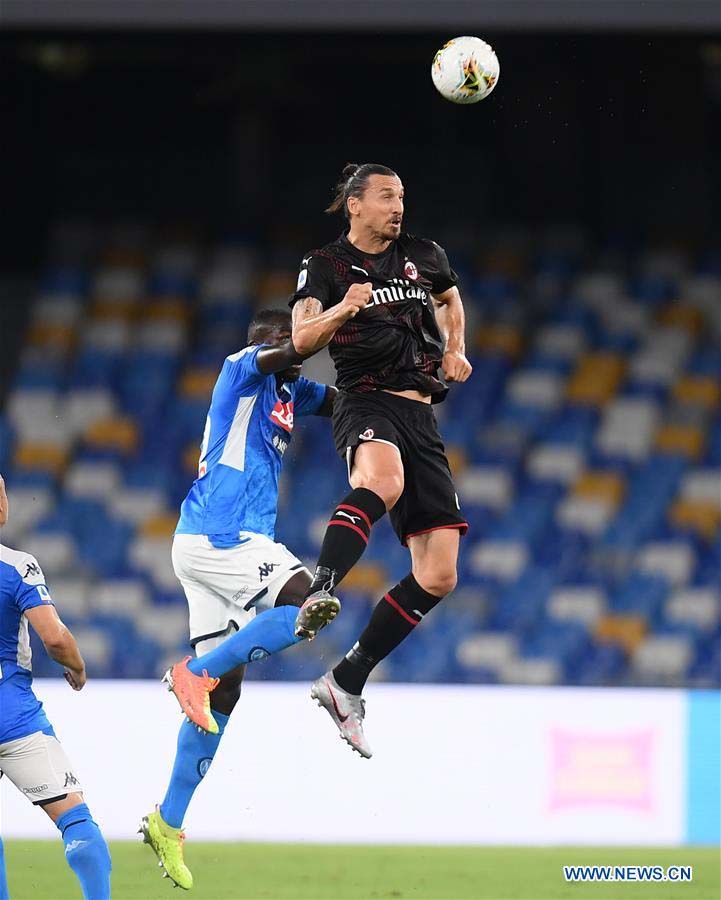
(353, 182)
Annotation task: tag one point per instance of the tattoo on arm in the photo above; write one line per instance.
(304, 309)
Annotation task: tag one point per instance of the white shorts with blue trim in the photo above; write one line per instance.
(225, 587)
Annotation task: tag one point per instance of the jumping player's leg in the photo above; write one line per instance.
(86, 852)
(434, 558)
(196, 748)
(247, 597)
(269, 632)
(377, 482)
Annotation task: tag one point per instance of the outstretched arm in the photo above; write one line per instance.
(277, 359)
(313, 328)
(452, 323)
(59, 642)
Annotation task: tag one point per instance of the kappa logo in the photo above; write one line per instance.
(346, 515)
(282, 414)
(410, 270)
(32, 569)
(38, 789)
(367, 435)
(265, 570)
(70, 780)
(74, 845)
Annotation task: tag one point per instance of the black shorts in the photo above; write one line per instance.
(429, 501)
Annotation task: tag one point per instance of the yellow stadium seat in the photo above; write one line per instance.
(698, 390)
(701, 516)
(198, 383)
(596, 379)
(159, 526)
(190, 458)
(123, 258)
(680, 316)
(55, 336)
(606, 486)
(119, 434)
(506, 261)
(625, 630)
(276, 284)
(683, 440)
(122, 310)
(172, 308)
(456, 460)
(367, 577)
(41, 458)
(499, 339)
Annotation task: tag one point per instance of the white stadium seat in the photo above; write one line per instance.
(674, 560)
(500, 559)
(577, 604)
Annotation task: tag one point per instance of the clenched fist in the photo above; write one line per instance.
(455, 366)
(356, 298)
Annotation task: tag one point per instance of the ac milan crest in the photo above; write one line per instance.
(410, 270)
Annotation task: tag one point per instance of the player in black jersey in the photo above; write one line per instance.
(388, 306)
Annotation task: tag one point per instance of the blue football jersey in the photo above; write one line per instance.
(248, 429)
(22, 587)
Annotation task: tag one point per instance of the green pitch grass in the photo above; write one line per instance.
(37, 871)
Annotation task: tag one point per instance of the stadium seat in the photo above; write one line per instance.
(659, 658)
(596, 379)
(627, 631)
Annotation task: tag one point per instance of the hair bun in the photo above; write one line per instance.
(349, 170)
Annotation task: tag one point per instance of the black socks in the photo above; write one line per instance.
(346, 537)
(392, 620)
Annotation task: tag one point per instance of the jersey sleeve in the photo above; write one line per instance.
(31, 590)
(441, 274)
(241, 373)
(309, 397)
(314, 280)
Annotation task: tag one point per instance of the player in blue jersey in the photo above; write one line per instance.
(243, 588)
(30, 754)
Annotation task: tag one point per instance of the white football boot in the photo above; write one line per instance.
(346, 710)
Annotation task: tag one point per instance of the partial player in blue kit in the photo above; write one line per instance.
(30, 754)
(243, 588)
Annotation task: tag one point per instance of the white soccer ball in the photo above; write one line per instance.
(465, 70)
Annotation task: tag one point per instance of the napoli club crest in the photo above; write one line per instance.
(410, 270)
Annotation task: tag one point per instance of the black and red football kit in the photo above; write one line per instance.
(393, 344)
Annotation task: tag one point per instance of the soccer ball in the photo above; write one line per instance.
(465, 70)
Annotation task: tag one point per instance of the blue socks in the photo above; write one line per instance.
(192, 760)
(86, 852)
(267, 633)
(4, 895)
